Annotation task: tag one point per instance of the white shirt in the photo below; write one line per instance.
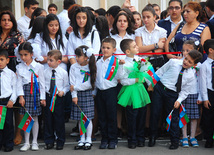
(74, 42)
(206, 78)
(64, 21)
(23, 24)
(211, 17)
(61, 79)
(8, 84)
(42, 49)
(76, 79)
(24, 77)
(101, 82)
(118, 40)
(26, 33)
(149, 38)
(173, 25)
(168, 75)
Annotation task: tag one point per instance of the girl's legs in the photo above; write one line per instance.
(185, 139)
(26, 145)
(82, 139)
(89, 132)
(35, 129)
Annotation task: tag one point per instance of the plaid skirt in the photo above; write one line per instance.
(191, 106)
(86, 103)
(29, 102)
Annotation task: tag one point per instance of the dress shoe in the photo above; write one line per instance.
(35, 147)
(173, 146)
(25, 147)
(131, 145)
(112, 145)
(151, 141)
(59, 147)
(79, 146)
(103, 145)
(140, 144)
(208, 144)
(49, 146)
(87, 146)
(8, 149)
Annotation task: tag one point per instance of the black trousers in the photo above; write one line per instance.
(136, 119)
(7, 134)
(208, 118)
(54, 122)
(162, 96)
(107, 112)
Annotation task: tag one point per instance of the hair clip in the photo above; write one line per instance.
(89, 52)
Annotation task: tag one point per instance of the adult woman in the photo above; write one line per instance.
(191, 30)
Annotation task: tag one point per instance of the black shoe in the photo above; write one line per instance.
(208, 144)
(103, 145)
(49, 146)
(87, 147)
(151, 141)
(78, 147)
(8, 149)
(173, 146)
(112, 145)
(131, 145)
(140, 144)
(59, 147)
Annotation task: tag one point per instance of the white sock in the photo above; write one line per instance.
(193, 127)
(184, 131)
(27, 137)
(35, 129)
(89, 132)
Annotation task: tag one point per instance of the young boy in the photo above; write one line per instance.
(106, 96)
(7, 99)
(52, 8)
(55, 78)
(176, 79)
(207, 93)
(135, 105)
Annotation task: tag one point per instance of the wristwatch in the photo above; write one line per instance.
(156, 45)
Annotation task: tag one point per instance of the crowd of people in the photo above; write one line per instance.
(97, 64)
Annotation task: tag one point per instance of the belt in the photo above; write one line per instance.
(4, 99)
(165, 88)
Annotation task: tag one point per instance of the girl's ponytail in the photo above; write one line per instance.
(93, 70)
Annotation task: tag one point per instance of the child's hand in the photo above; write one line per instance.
(199, 102)
(43, 103)
(161, 44)
(177, 104)
(9, 104)
(136, 80)
(121, 62)
(150, 88)
(207, 104)
(21, 101)
(75, 100)
(71, 88)
(60, 93)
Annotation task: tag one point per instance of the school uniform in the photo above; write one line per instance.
(24, 87)
(8, 92)
(54, 121)
(165, 92)
(207, 93)
(106, 99)
(23, 24)
(82, 90)
(42, 49)
(118, 40)
(64, 20)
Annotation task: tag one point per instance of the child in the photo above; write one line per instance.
(82, 81)
(171, 91)
(7, 98)
(190, 103)
(133, 95)
(207, 93)
(137, 19)
(106, 96)
(25, 70)
(54, 122)
(52, 8)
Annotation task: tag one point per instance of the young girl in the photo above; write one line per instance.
(137, 19)
(190, 104)
(82, 81)
(150, 38)
(122, 29)
(82, 34)
(25, 70)
(51, 38)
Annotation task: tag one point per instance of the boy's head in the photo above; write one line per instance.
(129, 47)
(209, 46)
(4, 60)
(30, 6)
(54, 58)
(192, 58)
(52, 8)
(108, 47)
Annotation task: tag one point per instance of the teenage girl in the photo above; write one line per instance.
(137, 19)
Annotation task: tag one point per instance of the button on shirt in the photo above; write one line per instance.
(24, 77)
(8, 84)
(61, 79)
(23, 24)
(64, 21)
(101, 82)
(76, 79)
(168, 75)
(118, 40)
(205, 79)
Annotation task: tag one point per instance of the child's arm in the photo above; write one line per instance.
(13, 97)
(72, 79)
(37, 42)
(65, 85)
(70, 50)
(96, 43)
(19, 86)
(203, 83)
(123, 74)
(41, 82)
(164, 68)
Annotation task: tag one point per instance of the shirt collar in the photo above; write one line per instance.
(124, 36)
(155, 28)
(27, 18)
(129, 59)
(33, 64)
(211, 17)
(5, 69)
(169, 18)
(209, 60)
(106, 59)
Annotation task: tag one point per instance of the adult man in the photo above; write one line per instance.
(174, 18)
(210, 13)
(24, 21)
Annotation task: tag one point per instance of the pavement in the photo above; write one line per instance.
(161, 148)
